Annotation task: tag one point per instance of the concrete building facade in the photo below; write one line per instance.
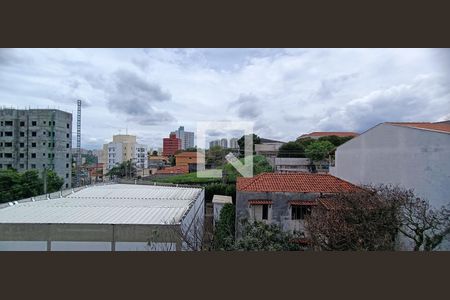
(292, 164)
(171, 145)
(234, 143)
(186, 137)
(37, 139)
(115, 217)
(412, 155)
(283, 199)
(124, 148)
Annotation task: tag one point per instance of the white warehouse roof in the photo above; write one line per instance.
(108, 204)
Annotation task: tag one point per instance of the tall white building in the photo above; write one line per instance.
(123, 148)
(187, 138)
(224, 143)
(234, 143)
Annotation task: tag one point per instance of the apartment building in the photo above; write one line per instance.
(171, 144)
(234, 143)
(36, 139)
(124, 147)
(186, 137)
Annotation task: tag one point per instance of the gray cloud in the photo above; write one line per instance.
(136, 98)
(422, 100)
(247, 106)
(328, 87)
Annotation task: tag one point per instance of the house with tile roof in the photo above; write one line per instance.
(284, 199)
(413, 155)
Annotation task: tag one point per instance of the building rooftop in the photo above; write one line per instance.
(329, 133)
(174, 170)
(443, 127)
(264, 141)
(221, 199)
(107, 204)
(294, 183)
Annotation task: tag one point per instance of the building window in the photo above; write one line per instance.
(8, 144)
(22, 134)
(68, 125)
(33, 145)
(33, 155)
(67, 185)
(43, 154)
(1, 155)
(22, 124)
(43, 143)
(8, 123)
(1, 133)
(9, 166)
(67, 155)
(43, 165)
(33, 123)
(22, 145)
(33, 133)
(67, 165)
(45, 122)
(22, 166)
(67, 175)
(33, 166)
(298, 212)
(67, 145)
(8, 133)
(21, 155)
(265, 211)
(68, 135)
(44, 132)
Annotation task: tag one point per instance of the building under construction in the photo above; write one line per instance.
(36, 139)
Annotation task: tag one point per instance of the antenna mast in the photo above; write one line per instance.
(78, 143)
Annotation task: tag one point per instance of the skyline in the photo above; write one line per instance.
(286, 92)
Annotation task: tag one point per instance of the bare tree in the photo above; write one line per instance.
(361, 221)
(373, 218)
(424, 225)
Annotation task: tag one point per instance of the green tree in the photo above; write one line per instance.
(335, 140)
(224, 229)
(125, 169)
(291, 149)
(259, 236)
(241, 143)
(54, 182)
(319, 150)
(215, 156)
(260, 165)
(155, 153)
(219, 189)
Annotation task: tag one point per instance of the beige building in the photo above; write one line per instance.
(124, 147)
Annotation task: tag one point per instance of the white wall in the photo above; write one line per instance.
(388, 154)
(192, 224)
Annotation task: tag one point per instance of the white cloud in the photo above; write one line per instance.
(286, 92)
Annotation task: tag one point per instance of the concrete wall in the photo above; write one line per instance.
(101, 237)
(279, 211)
(387, 154)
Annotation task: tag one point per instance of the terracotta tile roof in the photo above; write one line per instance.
(330, 133)
(259, 202)
(330, 204)
(303, 202)
(439, 126)
(294, 183)
(174, 170)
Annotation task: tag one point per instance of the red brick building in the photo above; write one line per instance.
(171, 145)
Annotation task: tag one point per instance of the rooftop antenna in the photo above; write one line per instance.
(78, 142)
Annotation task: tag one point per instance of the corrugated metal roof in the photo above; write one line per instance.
(108, 204)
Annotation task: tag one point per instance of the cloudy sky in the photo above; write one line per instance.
(285, 92)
